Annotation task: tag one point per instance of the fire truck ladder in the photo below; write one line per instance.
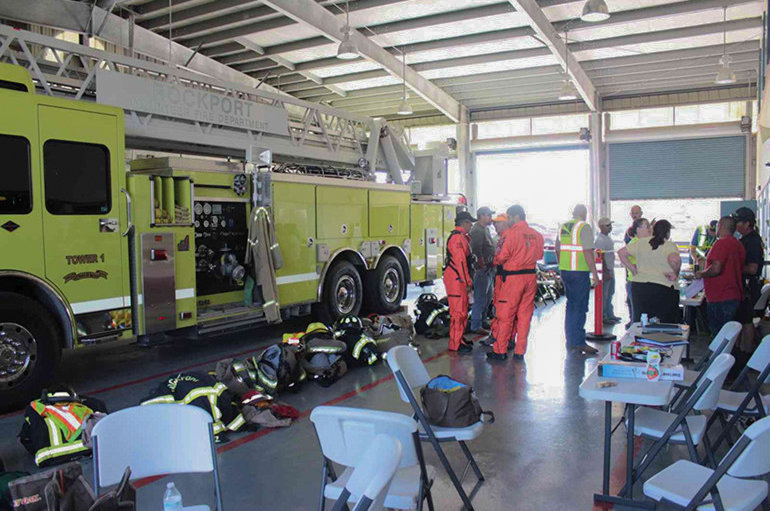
(316, 133)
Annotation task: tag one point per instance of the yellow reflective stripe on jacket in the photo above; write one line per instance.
(571, 256)
(236, 423)
(433, 315)
(363, 341)
(54, 435)
(47, 453)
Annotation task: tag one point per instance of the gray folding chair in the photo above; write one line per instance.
(686, 485)
(723, 342)
(370, 480)
(411, 374)
(682, 428)
(750, 403)
(155, 440)
(345, 434)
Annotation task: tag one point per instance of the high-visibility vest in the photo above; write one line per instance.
(571, 257)
(705, 242)
(63, 425)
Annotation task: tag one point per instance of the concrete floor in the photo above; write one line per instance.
(544, 452)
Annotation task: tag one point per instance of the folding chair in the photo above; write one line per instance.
(370, 480)
(761, 303)
(682, 428)
(751, 403)
(346, 433)
(686, 485)
(410, 374)
(723, 342)
(155, 440)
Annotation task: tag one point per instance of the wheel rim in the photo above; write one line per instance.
(18, 352)
(391, 283)
(346, 294)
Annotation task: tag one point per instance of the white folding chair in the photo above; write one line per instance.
(751, 403)
(723, 342)
(155, 440)
(370, 480)
(686, 485)
(761, 303)
(411, 374)
(346, 433)
(682, 428)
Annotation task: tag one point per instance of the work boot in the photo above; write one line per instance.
(497, 356)
(518, 356)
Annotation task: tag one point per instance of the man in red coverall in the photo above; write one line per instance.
(458, 281)
(501, 224)
(516, 260)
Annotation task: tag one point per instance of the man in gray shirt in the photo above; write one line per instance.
(483, 248)
(607, 246)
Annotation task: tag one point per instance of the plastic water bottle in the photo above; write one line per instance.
(644, 320)
(653, 365)
(172, 499)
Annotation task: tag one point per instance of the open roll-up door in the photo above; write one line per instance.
(678, 169)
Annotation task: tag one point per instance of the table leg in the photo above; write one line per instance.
(607, 446)
(630, 411)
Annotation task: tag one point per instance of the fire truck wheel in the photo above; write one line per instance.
(29, 350)
(385, 286)
(342, 293)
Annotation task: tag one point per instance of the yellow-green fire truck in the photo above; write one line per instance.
(95, 249)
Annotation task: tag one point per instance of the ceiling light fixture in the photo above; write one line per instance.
(725, 75)
(404, 108)
(347, 49)
(595, 10)
(568, 92)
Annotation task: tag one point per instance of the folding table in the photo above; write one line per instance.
(632, 393)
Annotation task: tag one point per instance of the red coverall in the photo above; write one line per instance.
(457, 280)
(521, 248)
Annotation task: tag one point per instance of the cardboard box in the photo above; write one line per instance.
(638, 371)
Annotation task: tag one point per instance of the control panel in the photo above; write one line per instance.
(221, 233)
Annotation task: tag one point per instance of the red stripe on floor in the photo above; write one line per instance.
(259, 434)
(618, 475)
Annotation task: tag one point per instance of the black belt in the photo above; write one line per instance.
(504, 273)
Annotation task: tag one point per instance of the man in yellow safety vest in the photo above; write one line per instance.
(575, 246)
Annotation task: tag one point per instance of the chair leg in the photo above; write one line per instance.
(450, 471)
(471, 460)
(324, 477)
(690, 445)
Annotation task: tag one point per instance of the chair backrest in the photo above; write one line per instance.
(346, 433)
(761, 356)
(716, 373)
(407, 360)
(754, 461)
(372, 476)
(152, 440)
(762, 301)
(730, 331)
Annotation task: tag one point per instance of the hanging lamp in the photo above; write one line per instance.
(347, 49)
(595, 10)
(404, 108)
(568, 92)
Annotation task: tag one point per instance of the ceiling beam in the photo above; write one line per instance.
(539, 22)
(313, 15)
(232, 9)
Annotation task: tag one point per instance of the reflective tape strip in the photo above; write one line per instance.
(236, 423)
(181, 294)
(54, 435)
(274, 246)
(572, 248)
(47, 453)
(98, 305)
(268, 304)
(324, 349)
(218, 428)
(69, 419)
(363, 341)
(272, 384)
(293, 279)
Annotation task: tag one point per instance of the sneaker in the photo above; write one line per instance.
(464, 348)
(496, 356)
(518, 356)
(584, 348)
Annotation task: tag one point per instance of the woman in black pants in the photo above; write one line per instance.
(655, 288)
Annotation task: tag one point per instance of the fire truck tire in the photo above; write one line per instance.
(29, 349)
(385, 286)
(342, 293)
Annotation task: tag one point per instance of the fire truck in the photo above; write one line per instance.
(101, 243)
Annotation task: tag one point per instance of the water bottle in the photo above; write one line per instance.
(644, 319)
(653, 365)
(172, 499)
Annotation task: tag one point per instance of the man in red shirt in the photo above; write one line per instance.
(458, 280)
(723, 276)
(518, 252)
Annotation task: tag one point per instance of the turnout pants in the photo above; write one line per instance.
(513, 309)
(458, 308)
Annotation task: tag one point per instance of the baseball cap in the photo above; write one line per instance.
(462, 216)
(605, 220)
(744, 215)
(502, 217)
(484, 211)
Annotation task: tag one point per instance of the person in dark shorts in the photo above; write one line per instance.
(752, 281)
